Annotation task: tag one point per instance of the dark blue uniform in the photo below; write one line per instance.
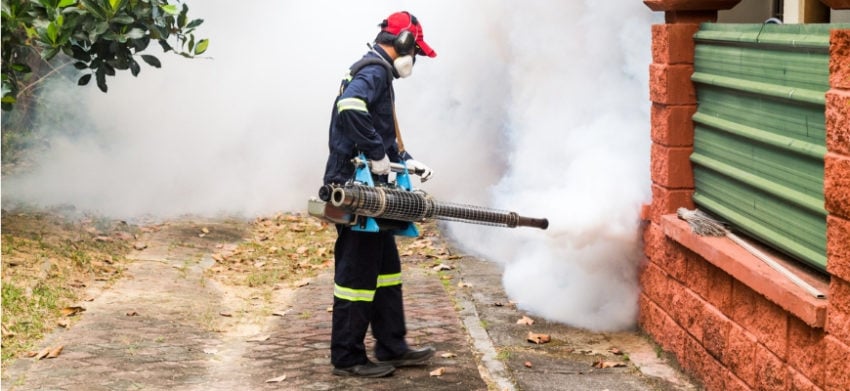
(367, 277)
(362, 121)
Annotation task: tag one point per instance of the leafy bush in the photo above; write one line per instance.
(101, 36)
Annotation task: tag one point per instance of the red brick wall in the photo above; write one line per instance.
(721, 330)
(837, 196)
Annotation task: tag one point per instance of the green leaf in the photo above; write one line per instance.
(151, 60)
(52, 32)
(134, 67)
(97, 30)
(141, 44)
(80, 65)
(114, 4)
(84, 80)
(8, 99)
(21, 68)
(101, 79)
(49, 53)
(31, 32)
(66, 3)
(169, 9)
(6, 86)
(135, 33)
(123, 19)
(94, 8)
(201, 47)
(194, 23)
(165, 45)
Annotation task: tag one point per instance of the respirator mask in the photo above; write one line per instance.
(404, 65)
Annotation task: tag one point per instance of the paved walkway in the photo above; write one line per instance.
(167, 327)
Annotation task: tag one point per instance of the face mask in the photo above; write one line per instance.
(404, 65)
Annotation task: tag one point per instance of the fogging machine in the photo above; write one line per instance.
(368, 206)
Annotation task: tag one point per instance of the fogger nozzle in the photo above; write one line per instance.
(417, 206)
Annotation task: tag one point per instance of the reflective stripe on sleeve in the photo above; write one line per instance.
(385, 280)
(353, 294)
(351, 104)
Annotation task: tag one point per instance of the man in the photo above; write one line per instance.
(367, 278)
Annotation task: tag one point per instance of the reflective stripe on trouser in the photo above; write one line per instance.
(384, 280)
(366, 264)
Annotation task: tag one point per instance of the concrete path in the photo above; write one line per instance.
(168, 327)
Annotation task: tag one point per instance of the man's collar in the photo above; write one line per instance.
(383, 53)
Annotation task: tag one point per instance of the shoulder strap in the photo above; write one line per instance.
(370, 61)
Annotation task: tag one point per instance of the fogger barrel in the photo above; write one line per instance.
(416, 206)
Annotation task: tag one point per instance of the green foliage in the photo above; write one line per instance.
(101, 36)
(29, 310)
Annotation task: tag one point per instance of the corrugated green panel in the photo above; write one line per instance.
(760, 132)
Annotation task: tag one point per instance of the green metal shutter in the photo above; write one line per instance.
(759, 141)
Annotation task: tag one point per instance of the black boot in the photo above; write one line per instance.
(412, 357)
(369, 369)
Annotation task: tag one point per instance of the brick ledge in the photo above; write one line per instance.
(753, 272)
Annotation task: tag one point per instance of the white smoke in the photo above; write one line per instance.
(578, 154)
(537, 107)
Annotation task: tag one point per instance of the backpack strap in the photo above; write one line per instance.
(370, 61)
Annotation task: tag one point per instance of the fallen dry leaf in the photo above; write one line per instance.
(140, 246)
(538, 338)
(225, 314)
(448, 355)
(438, 372)
(607, 364)
(42, 353)
(71, 311)
(616, 351)
(259, 338)
(330, 309)
(463, 285)
(132, 313)
(528, 364)
(301, 283)
(276, 379)
(77, 284)
(525, 320)
(442, 267)
(64, 323)
(55, 351)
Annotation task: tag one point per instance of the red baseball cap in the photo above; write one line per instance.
(400, 21)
